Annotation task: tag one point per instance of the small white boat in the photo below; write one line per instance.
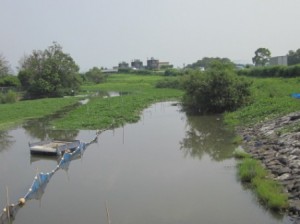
(53, 147)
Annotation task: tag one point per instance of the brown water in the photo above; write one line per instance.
(167, 168)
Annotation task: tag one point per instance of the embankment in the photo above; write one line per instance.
(276, 143)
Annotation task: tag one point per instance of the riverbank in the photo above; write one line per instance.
(269, 129)
(276, 144)
(136, 93)
(16, 113)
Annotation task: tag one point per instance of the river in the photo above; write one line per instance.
(166, 168)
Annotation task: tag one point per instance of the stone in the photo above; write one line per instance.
(283, 176)
(283, 159)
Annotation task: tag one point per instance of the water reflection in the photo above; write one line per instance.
(207, 135)
(37, 158)
(5, 140)
(39, 128)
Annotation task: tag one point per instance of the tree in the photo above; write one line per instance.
(294, 57)
(10, 81)
(216, 90)
(95, 75)
(4, 66)
(262, 56)
(49, 73)
(206, 61)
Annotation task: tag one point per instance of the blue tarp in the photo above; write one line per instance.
(39, 184)
(295, 95)
(41, 180)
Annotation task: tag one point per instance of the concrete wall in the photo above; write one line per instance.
(280, 60)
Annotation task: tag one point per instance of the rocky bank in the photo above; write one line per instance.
(277, 144)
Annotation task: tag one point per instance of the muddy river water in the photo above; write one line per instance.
(167, 168)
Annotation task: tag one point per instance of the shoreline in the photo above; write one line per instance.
(279, 154)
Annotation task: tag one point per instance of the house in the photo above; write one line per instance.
(165, 65)
(152, 64)
(123, 65)
(279, 60)
(137, 64)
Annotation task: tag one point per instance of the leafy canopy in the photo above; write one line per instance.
(294, 57)
(262, 56)
(216, 90)
(49, 73)
(95, 75)
(4, 67)
(206, 62)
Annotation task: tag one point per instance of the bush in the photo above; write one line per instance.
(173, 72)
(272, 71)
(9, 97)
(215, 91)
(95, 75)
(143, 72)
(173, 83)
(10, 81)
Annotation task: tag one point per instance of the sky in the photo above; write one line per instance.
(103, 33)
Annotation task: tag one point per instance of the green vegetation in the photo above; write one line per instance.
(9, 97)
(250, 169)
(237, 140)
(49, 73)
(173, 72)
(294, 57)
(95, 75)
(103, 112)
(169, 82)
(12, 114)
(271, 98)
(138, 92)
(216, 90)
(272, 71)
(206, 61)
(9, 81)
(4, 66)
(270, 192)
(240, 154)
(262, 56)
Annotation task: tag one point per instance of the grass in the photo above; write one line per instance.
(103, 112)
(239, 153)
(99, 112)
(271, 99)
(249, 169)
(16, 113)
(269, 191)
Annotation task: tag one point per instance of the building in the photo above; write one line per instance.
(165, 65)
(152, 64)
(137, 64)
(280, 60)
(123, 64)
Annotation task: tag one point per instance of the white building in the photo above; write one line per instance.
(280, 60)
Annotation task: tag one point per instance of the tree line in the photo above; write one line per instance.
(47, 73)
(262, 57)
(211, 85)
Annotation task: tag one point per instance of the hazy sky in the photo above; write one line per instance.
(106, 32)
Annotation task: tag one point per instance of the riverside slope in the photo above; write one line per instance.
(279, 153)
